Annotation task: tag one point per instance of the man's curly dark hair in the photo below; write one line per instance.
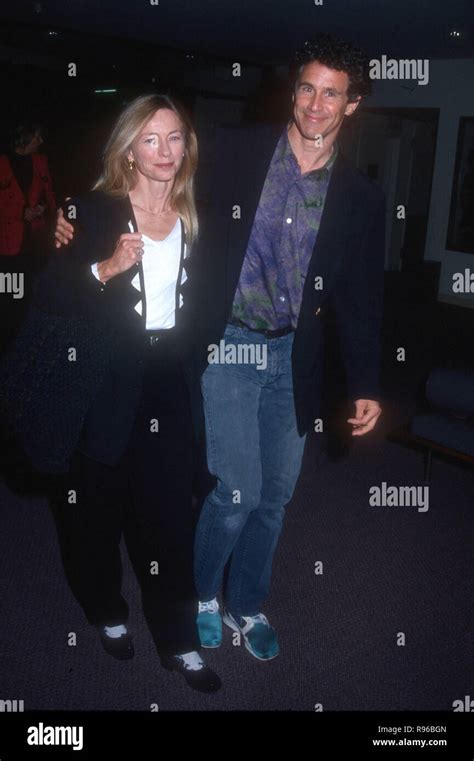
(340, 55)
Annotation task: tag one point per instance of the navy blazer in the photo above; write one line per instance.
(348, 256)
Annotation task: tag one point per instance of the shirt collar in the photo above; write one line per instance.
(285, 153)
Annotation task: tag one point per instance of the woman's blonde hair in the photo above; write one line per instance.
(118, 179)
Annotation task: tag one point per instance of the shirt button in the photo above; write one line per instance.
(289, 220)
(282, 298)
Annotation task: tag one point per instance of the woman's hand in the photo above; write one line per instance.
(129, 251)
(30, 213)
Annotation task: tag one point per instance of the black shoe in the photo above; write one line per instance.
(202, 678)
(118, 647)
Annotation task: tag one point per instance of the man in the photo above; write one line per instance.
(290, 228)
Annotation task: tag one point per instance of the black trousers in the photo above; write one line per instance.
(147, 497)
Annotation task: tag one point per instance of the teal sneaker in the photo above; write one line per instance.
(260, 638)
(209, 623)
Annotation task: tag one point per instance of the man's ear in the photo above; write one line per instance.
(351, 107)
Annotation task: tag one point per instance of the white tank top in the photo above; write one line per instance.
(160, 264)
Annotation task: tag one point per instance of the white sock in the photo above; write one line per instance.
(114, 632)
(192, 660)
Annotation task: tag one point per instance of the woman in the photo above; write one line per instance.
(27, 202)
(131, 470)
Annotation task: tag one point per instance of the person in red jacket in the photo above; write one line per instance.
(27, 201)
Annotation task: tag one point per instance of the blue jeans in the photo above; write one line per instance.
(255, 452)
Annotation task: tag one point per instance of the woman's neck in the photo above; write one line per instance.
(151, 196)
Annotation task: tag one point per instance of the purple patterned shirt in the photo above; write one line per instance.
(282, 239)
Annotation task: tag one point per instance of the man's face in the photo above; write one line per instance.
(320, 101)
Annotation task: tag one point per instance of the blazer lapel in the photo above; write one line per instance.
(134, 296)
(251, 162)
(332, 239)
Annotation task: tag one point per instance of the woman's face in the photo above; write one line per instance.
(33, 145)
(158, 150)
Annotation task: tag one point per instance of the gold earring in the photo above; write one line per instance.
(131, 164)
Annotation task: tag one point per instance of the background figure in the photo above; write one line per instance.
(27, 210)
(27, 202)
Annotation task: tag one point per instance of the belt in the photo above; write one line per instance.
(267, 333)
(157, 337)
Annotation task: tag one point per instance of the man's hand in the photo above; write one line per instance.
(64, 231)
(367, 413)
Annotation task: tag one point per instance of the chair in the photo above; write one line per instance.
(446, 425)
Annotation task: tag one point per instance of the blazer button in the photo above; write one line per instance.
(317, 311)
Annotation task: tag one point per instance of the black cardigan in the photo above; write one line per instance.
(56, 405)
